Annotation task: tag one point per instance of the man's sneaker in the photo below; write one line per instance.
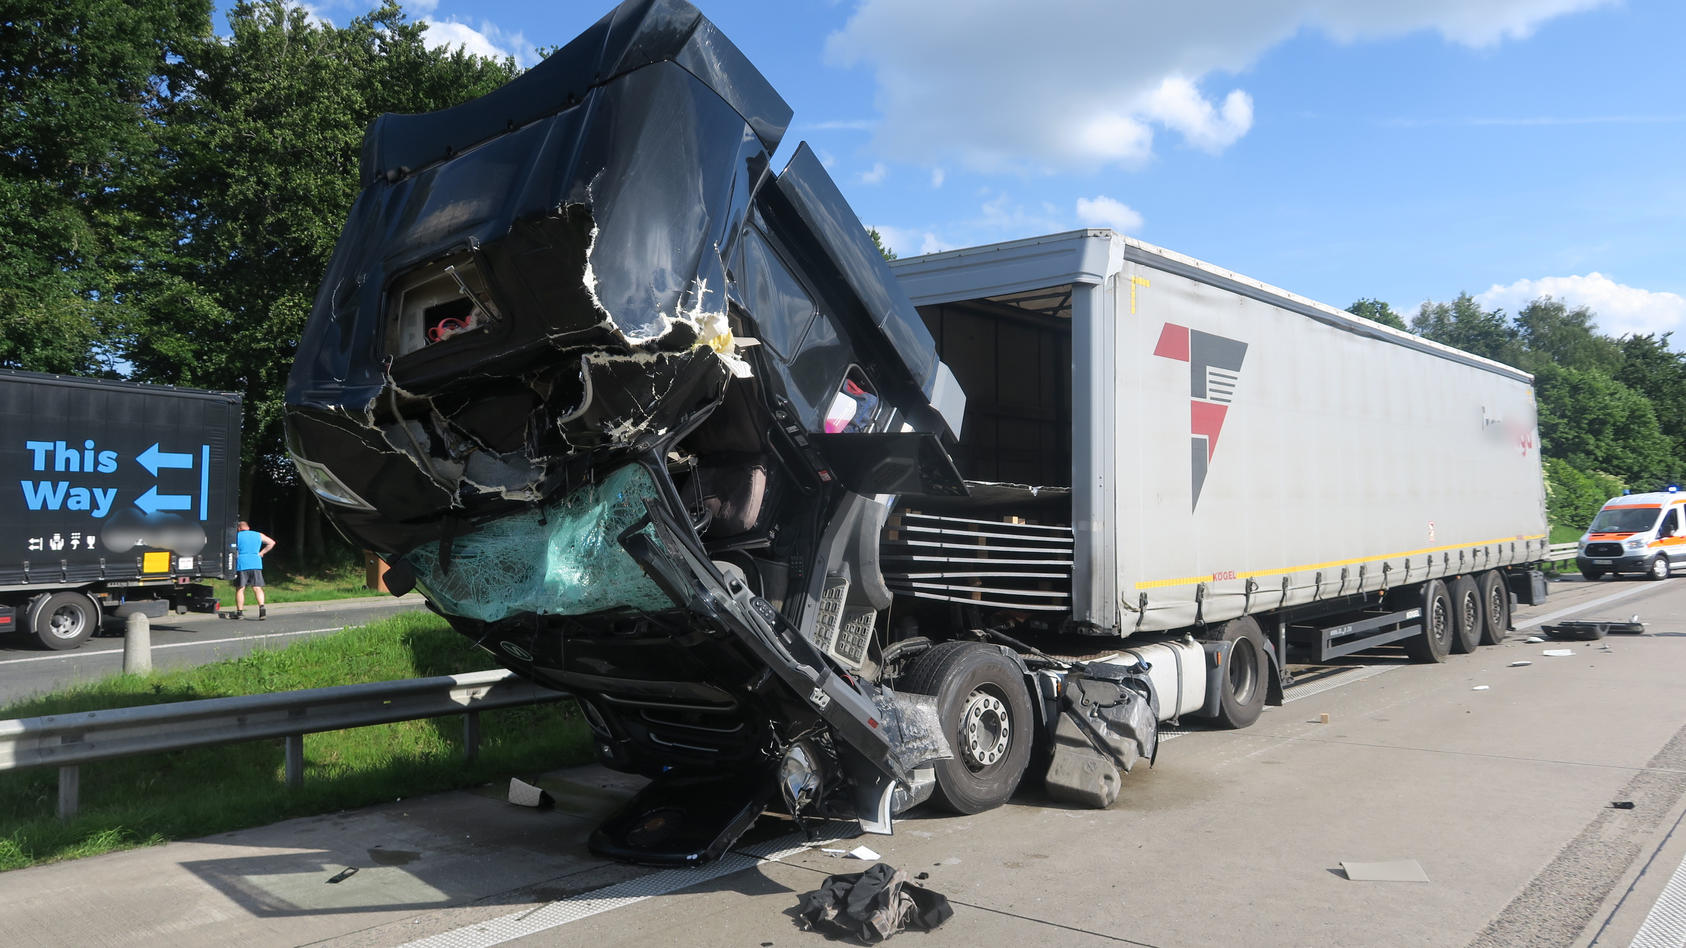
(239, 613)
(263, 613)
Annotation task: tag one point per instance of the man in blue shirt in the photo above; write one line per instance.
(250, 546)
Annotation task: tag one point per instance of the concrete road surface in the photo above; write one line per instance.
(1496, 779)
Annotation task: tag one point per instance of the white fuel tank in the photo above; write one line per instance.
(1178, 672)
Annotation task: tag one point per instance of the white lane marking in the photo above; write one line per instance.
(496, 931)
(1665, 925)
(118, 653)
(1584, 606)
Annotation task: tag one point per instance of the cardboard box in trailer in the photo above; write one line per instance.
(657, 425)
(120, 498)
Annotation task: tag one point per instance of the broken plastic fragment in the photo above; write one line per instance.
(1480, 688)
(1520, 664)
(1395, 870)
(861, 852)
(1558, 652)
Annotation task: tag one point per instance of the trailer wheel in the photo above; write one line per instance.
(985, 711)
(1432, 644)
(1466, 615)
(63, 620)
(1495, 607)
(1658, 568)
(1241, 689)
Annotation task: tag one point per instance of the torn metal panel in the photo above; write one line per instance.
(1109, 720)
(620, 403)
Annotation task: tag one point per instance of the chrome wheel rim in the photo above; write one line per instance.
(985, 730)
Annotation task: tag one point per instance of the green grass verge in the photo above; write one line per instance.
(346, 581)
(140, 801)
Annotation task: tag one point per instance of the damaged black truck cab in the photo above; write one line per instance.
(631, 410)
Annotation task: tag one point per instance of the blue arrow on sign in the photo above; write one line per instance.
(152, 501)
(152, 459)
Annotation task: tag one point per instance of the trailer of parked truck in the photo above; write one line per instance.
(120, 498)
(657, 425)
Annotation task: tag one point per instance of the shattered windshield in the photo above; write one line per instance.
(562, 558)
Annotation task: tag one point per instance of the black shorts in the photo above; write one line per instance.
(249, 577)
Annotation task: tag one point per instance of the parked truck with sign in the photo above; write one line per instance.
(657, 425)
(120, 498)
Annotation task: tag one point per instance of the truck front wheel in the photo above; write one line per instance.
(63, 620)
(1435, 640)
(1241, 691)
(985, 711)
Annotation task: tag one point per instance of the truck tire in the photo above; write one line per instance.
(63, 620)
(1466, 615)
(1241, 688)
(1658, 567)
(1495, 607)
(985, 710)
(1432, 644)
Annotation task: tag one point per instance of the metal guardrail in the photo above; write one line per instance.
(1562, 551)
(70, 740)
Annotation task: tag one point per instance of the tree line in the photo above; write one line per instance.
(1612, 411)
(171, 198)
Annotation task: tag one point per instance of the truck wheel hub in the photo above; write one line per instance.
(66, 623)
(985, 730)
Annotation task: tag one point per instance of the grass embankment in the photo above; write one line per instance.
(152, 799)
(281, 584)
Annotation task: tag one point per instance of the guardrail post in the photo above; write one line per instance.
(70, 787)
(295, 761)
(137, 645)
(471, 736)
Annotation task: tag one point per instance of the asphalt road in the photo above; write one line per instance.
(182, 641)
(1494, 774)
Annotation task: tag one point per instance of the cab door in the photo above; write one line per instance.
(1671, 536)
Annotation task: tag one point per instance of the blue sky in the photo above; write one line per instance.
(1336, 148)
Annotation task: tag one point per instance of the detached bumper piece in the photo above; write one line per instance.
(1587, 630)
(1109, 720)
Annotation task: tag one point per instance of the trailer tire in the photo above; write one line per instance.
(985, 711)
(1658, 567)
(1466, 615)
(63, 620)
(1433, 643)
(1242, 683)
(1495, 607)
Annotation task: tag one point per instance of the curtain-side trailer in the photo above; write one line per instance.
(1266, 473)
(657, 425)
(120, 497)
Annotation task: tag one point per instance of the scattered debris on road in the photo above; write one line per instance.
(873, 905)
(1480, 688)
(1558, 652)
(1395, 870)
(522, 793)
(1621, 805)
(1533, 639)
(1520, 664)
(342, 875)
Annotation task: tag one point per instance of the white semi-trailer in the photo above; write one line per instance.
(657, 425)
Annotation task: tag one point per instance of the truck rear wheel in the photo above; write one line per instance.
(1495, 607)
(985, 711)
(63, 620)
(1241, 689)
(1432, 644)
(1466, 615)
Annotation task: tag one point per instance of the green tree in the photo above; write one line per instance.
(1654, 370)
(1551, 332)
(878, 241)
(1377, 311)
(79, 143)
(1596, 423)
(1573, 496)
(1463, 324)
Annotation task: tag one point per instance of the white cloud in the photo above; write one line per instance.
(908, 242)
(1621, 309)
(1108, 74)
(875, 175)
(488, 40)
(1102, 211)
(938, 176)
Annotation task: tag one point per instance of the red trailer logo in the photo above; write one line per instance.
(1214, 364)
